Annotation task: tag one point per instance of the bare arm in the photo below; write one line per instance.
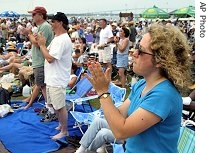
(123, 46)
(122, 125)
(72, 82)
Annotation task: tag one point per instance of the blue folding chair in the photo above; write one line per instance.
(79, 97)
(78, 73)
(186, 142)
(20, 48)
(118, 96)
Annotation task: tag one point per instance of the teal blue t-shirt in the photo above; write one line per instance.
(165, 101)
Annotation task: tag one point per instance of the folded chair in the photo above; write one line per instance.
(118, 96)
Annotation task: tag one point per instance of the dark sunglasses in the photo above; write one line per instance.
(140, 52)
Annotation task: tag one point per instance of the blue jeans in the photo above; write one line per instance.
(97, 135)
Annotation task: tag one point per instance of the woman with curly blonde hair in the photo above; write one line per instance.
(150, 118)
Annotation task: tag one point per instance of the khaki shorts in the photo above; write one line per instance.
(104, 56)
(56, 96)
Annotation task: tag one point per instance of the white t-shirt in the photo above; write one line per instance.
(57, 73)
(105, 34)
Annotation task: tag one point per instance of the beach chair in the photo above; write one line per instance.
(186, 142)
(78, 73)
(118, 96)
(79, 97)
(19, 47)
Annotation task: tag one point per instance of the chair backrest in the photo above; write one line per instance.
(186, 142)
(117, 93)
(20, 47)
(82, 88)
(78, 73)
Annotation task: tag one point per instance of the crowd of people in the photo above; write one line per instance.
(159, 51)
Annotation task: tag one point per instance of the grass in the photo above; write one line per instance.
(95, 102)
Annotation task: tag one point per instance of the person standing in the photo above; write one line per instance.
(57, 69)
(122, 54)
(39, 16)
(104, 49)
(150, 118)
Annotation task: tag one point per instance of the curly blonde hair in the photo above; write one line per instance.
(171, 50)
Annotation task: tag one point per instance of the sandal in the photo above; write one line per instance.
(49, 117)
(43, 112)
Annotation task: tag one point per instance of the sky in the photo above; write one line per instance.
(89, 6)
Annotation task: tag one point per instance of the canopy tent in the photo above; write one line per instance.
(154, 12)
(184, 12)
(10, 14)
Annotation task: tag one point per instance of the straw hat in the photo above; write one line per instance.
(12, 47)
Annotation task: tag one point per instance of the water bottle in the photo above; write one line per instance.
(26, 91)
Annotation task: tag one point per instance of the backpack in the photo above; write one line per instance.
(5, 97)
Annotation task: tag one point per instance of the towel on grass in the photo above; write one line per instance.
(22, 131)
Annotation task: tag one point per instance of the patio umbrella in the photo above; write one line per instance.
(10, 14)
(184, 12)
(155, 12)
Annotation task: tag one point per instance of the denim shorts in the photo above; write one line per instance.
(122, 61)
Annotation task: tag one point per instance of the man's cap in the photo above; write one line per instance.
(114, 24)
(59, 16)
(38, 9)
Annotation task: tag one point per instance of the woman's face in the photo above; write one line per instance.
(142, 57)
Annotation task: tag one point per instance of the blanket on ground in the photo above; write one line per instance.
(22, 131)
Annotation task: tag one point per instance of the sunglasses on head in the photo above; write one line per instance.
(141, 52)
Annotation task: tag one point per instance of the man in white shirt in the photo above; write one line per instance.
(106, 37)
(57, 69)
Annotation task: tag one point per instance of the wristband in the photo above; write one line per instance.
(104, 95)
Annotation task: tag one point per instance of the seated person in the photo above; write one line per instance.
(77, 58)
(11, 52)
(189, 102)
(17, 64)
(73, 77)
(96, 136)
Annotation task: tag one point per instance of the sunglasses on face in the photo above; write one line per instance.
(141, 52)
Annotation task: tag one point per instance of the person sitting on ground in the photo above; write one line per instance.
(17, 64)
(153, 109)
(77, 58)
(11, 53)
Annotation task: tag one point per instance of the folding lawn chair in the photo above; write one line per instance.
(118, 96)
(78, 73)
(186, 142)
(20, 48)
(79, 97)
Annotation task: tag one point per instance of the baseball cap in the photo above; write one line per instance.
(59, 16)
(38, 9)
